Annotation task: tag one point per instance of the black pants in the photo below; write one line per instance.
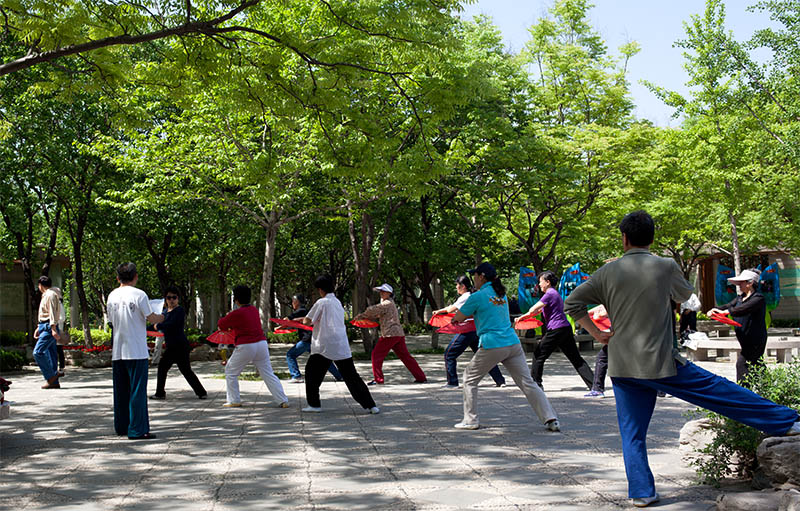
(560, 338)
(317, 366)
(61, 360)
(688, 321)
(743, 366)
(601, 369)
(177, 355)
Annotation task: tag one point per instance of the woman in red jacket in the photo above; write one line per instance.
(251, 347)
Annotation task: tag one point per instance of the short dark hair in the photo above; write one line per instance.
(241, 294)
(45, 281)
(325, 283)
(300, 298)
(172, 289)
(549, 277)
(126, 272)
(639, 228)
(464, 281)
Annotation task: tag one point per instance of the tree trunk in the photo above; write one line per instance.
(361, 261)
(266, 274)
(77, 244)
(737, 262)
(160, 260)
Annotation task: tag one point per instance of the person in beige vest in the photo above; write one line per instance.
(47, 334)
(392, 338)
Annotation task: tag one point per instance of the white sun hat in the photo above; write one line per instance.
(384, 287)
(745, 276)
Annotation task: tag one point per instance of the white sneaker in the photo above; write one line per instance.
(296, 380)
(794, 430)
(464, 425)
(312, 409)
(374, 410)
(553, 425)
(646, 501)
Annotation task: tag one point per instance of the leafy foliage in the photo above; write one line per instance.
(735, 444)
(11, 360)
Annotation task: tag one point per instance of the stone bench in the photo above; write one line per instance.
(714, 328)
(729, 346)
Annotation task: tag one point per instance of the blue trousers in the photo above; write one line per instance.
(46, 351)
(130, 397)
(636, 399)
(459, 345)
(297, 350)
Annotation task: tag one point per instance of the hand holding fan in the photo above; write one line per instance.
(724, 319)
(364, 323)
(440, 320)
(527, 322)
(458, 328)
(290, 323)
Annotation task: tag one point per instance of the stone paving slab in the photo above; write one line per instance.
(58, 449)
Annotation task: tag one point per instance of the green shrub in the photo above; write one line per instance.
(735, 443)
(193, 337)
(11, 360)
(99, 337)
(786, 323)
(12, 338)
(416, 328)
(289, 338)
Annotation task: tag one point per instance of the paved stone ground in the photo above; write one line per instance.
(58, 450)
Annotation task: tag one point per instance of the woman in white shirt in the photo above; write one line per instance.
(329, 344)
(461, 342)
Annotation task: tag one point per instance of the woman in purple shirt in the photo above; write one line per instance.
(558, 332)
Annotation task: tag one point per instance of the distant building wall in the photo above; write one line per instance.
(14, 295)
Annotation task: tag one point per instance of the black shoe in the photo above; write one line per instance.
(157, 397)
(373, 382)
(420, 381)
(146, 436)
(204, 396)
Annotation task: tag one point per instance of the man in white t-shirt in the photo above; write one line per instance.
(129, 311)
(329, 344)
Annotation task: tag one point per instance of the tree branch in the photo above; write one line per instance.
(198, 27)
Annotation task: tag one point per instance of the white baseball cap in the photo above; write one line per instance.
(384, 287)
(745, 276)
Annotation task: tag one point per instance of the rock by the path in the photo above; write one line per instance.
(779, 458)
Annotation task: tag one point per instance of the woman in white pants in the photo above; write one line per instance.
(251, 347)
(498, 344)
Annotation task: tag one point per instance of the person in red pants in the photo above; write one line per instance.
(392, 338)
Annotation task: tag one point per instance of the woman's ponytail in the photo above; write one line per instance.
(499, 288)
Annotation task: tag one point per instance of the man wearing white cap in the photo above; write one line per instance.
(749, 309)
(392, 338)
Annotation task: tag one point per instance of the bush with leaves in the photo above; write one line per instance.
(99, 337)
(11, 360)
(12, 338)
(734, 444)
(416, 329)
(786, 323)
